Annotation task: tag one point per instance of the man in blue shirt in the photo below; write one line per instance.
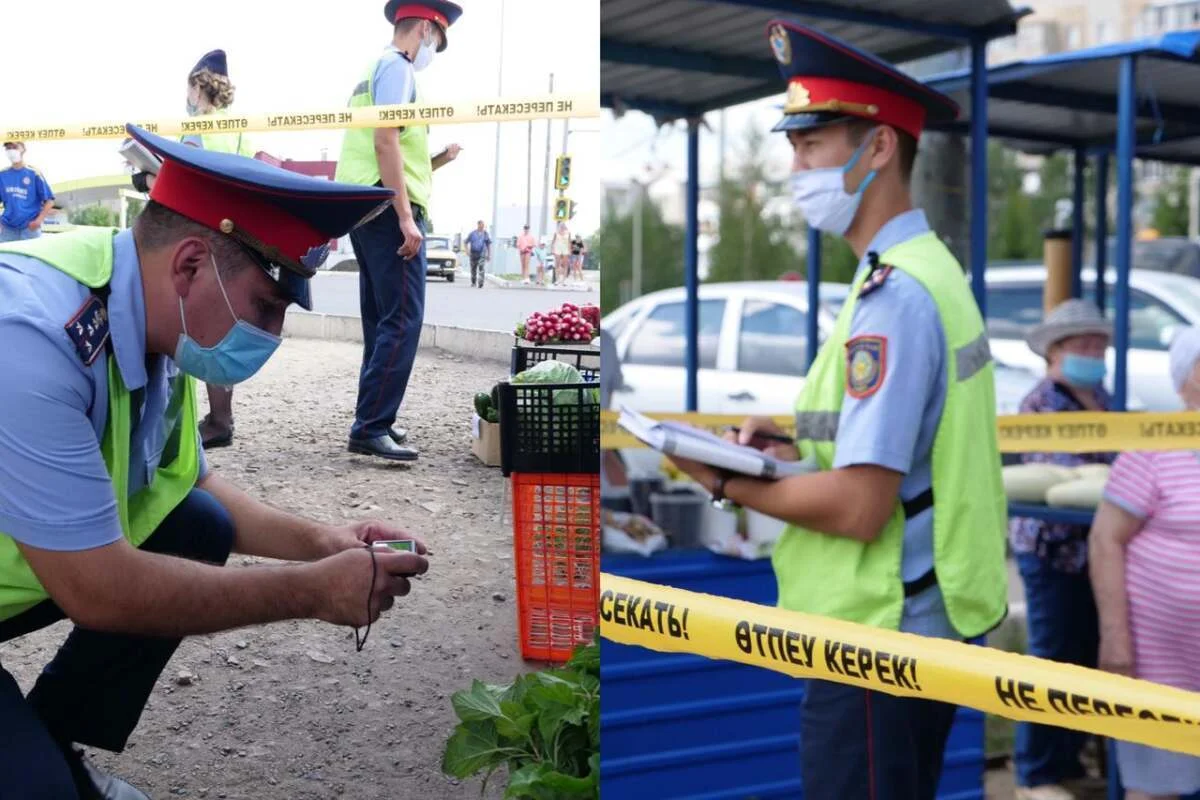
(479, 247)
(26, 196)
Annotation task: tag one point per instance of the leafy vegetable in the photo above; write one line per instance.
(544, 726)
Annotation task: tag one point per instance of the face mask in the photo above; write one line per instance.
(13, 155)
(1083, 371)
(240, 354)
(424, 55)
(821, 195)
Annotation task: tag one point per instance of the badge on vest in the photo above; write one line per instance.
(866, 365)
(88, 330)
(875, 280)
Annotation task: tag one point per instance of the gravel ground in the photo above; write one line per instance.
(291, 710)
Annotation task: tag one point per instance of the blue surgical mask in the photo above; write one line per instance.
(241, 353)
(821, 196)
(1083, 371)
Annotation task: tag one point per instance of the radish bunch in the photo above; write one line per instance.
(566, 324)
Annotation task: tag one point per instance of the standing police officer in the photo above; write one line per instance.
(390, 249)
(903, 527)
(108, 512)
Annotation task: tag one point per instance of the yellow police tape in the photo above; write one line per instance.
(1006, 684)
(1068, 432)
(456, 113)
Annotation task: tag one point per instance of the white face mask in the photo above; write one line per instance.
(424, 54)
(821, 194)
(14, 156)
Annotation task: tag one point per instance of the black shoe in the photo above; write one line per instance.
(96, 785)
(384, 447)
(399, 435)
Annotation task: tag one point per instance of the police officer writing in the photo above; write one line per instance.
(390, 248)
(903, 525)
(109, 514)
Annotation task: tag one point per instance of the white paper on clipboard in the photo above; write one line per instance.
(142, 159)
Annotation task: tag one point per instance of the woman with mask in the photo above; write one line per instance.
(1053, 557)
(209, 91)
(1145, 559)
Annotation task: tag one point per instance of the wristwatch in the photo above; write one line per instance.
(718, 489)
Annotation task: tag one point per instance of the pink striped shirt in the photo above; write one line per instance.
(1162, 562)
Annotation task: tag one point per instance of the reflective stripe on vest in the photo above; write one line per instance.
(840, 577)
(86, 255)
(358, 163)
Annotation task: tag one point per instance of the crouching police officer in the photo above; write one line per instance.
(109, 515)
(903, 525)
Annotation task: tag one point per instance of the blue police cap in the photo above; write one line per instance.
(831, 81)
(285, 220)
(214, 62)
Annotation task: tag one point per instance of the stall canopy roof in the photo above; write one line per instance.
(680, 58)
(1070, 99)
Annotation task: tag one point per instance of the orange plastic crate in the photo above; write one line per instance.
(556, 545)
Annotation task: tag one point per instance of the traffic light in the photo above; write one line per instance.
(571, 209)
(562, 209)
(562, 172)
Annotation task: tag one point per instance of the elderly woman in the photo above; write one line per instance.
(1145, 545)
(1053, 557)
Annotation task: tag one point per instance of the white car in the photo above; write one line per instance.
(752, 347)
(1160, 303)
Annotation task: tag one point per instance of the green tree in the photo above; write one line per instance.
(96, 215)
(662, 253)
(135, 208)
(751, 244)
(1171, 205)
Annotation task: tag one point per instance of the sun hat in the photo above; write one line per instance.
(1070, 318)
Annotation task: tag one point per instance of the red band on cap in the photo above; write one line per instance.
(892, 109)
(421, 12)
(208, 200)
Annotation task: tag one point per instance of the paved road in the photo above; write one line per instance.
(458, 304)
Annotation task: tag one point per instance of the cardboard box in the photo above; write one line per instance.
(486, 441)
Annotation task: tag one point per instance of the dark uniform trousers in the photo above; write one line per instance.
(865, 745)
(392, 299)
(93, 691)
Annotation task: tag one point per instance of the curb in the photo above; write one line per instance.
(477, 344)
(586, 286)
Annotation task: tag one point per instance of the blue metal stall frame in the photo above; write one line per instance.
(1088, 101)
(653, 55)
(1075, 101)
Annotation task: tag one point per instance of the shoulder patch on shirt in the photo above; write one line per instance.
(866, 365)
(875, 280)
(88, 330)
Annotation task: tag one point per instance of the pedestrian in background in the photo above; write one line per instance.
(479, 250)
(390, 248)
(26, 195)
(560, 248)
(211, 92)
(578, 249)
(1053, 557)
(526, 244)
(1145, 568)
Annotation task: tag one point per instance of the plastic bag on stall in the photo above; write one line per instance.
(630, 533)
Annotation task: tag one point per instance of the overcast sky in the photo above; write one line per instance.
(81, 60)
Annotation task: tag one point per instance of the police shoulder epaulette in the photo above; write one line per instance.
(88, 330)
(878, 276)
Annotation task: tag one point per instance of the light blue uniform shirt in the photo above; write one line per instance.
(895, 426)
(395, 79)
(55, 491)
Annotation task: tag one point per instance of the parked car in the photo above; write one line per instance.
(440, 259)
(1160, 303)
(752, 347)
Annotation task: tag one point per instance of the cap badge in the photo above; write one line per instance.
(781, 44)
(798, 97)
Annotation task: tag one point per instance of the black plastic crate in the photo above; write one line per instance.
(585, 358)
(549, 428)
